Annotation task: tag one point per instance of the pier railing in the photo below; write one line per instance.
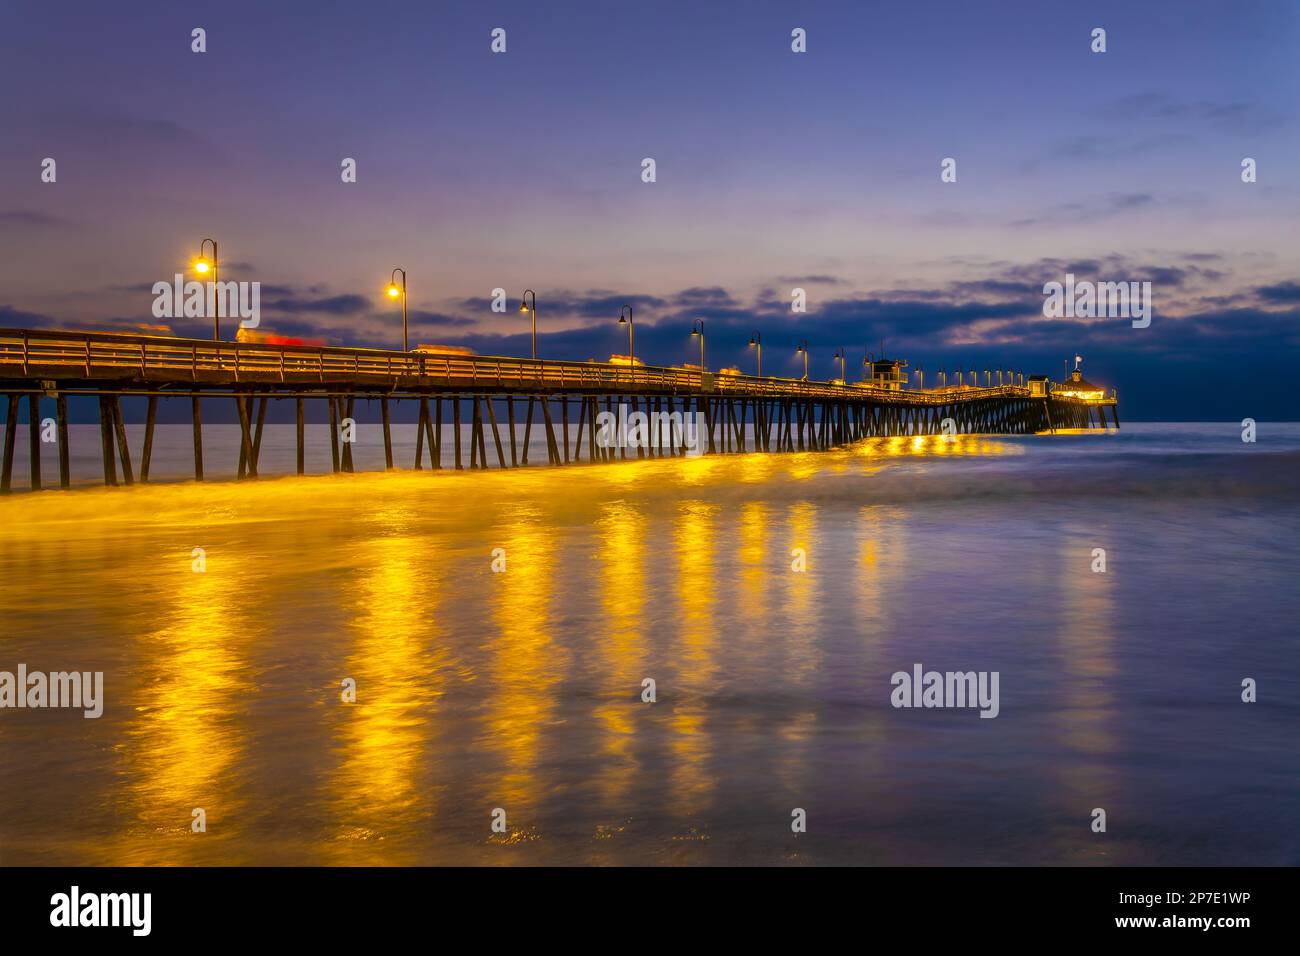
(142, 360)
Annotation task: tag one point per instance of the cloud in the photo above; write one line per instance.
(12, 318)
(816, 279)
(1280, 292)
(31, 219)
(330, 305)
(712, 296)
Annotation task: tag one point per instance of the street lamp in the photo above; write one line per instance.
(698, 329)
(201, 266)
(631, 341)
(393, 292)
(920, 378)
(839, 354)
(527, 305)
(756, 342)
(803, 348)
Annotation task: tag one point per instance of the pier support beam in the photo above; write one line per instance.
(106, 441)
(11, 437)
(196, 414)
(388, 433)
(455, 415)
(146, 455)
(347, 415)
(246, 464)
(334, 433)
(34, 438)
(61, 417)
(123, 449)
(434, 431)
(300, 436)
(421, 427)
(496, 433)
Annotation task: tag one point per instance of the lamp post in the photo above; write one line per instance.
(943, 378)
(393, 292)
(920, 378)
(698, 329)
(803, 348)
(839, 354)
(530, 305)
(756, 342)
(631, 341)
(201, 266)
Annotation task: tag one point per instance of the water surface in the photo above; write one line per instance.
(522, 690)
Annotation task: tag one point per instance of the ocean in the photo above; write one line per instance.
(1122, 586)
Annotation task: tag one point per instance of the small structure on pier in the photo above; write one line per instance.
(887, 373)
(1077, 387)
(1038, 386)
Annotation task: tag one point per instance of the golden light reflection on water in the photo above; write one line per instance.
(412, 627)
(185, 741)
(383, 736)
(695, 543)
(751, 550)
(620, 530)
(925, 446)
(528, 663)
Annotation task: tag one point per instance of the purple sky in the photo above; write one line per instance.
(821, 170)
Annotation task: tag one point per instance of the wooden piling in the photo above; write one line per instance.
(196, 415)
(564, 416)
(106, 441)
(582, 422)
(11, 437)
(455, 410)
(482, 449)
(510, 419)
(388, 433)
(257, 434)
(434, 429)
(528, 428)
(61, 417)
(301, 437)
(496, 434)
(334, 432)
(34, 439)
(347, 445)
(552, 448)
(420, 428)
(146, 455)
(246, 466)
(123, 449)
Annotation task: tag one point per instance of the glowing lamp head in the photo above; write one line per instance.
(201, 266)
(394, 292)
(622, 321)
(523, 306)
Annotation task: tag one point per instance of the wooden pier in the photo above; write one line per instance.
(565, 399)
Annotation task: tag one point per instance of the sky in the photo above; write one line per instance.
(775, 170)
